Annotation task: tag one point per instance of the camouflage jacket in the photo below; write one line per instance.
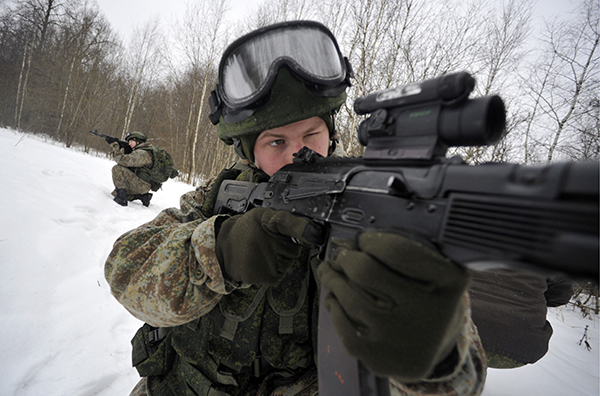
(136, 159)
(166, 274)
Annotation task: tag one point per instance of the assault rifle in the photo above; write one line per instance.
(111, 139)
(542, 218)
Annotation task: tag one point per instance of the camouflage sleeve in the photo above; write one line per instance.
(135, 159)
(165, 272)
(467, 378)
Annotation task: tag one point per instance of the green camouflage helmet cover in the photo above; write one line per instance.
(137, 136)
(290, 101)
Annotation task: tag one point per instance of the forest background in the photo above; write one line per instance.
(64, 71)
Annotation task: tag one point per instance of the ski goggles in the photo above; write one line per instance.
(250, 64)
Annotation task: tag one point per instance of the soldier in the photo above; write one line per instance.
(231, 302)
(126, 174)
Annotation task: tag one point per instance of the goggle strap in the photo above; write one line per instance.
(328, 92)
(234, 117)
(349, 71)
(333, 133)
(216, 107)
(237, 147)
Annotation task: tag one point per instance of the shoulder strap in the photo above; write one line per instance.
(286, 317)
(231, 321)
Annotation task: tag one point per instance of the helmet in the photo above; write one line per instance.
(137, 136)
(276, 76)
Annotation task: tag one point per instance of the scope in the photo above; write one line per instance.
(422, 120)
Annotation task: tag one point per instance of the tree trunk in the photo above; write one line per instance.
(64, 102)
(22, 87)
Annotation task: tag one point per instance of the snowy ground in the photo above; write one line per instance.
(65, 335)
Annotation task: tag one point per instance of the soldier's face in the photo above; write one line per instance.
(132, 143)
(275, 148)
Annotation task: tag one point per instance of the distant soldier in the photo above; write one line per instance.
(145, 168)
(126, 174)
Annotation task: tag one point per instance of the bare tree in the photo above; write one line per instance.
(36, 14)
(563, 88)
(142, 66)
(496, 56)
(587, 129)
(580, 59)
(81, 45)
(202, 37)
(393, 43)
(369, 24)
(273, 11)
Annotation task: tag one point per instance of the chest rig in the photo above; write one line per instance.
(253, 332)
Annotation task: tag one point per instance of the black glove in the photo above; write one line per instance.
(111, 139)
(257, 247)
(396, 305)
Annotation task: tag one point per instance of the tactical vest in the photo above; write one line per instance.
(253, 332)
(143, 172)
(159, 171)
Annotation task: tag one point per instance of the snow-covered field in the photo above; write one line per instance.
(62, 332)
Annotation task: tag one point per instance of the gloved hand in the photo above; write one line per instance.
(111, 139)
(257, 248)
(396, 305)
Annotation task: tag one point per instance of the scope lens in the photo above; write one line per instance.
(479, 122)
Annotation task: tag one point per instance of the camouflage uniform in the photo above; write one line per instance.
(124, 174)
(228, 340)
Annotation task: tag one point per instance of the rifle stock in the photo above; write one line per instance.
(537, 218)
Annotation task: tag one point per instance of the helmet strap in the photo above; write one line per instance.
(239, 150)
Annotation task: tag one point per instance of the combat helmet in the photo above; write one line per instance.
(139, 137)
(278, 75)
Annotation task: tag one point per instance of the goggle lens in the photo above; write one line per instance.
(309, 51)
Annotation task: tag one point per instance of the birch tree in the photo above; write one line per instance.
(143, 62)
(577, 50)
(497, 55)
(275, 11)
(563, 90)
(202, 38)
(81, 45)
(397, 42)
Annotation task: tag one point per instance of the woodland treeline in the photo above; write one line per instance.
(64, 71)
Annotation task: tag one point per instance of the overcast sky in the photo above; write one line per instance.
(125, 15)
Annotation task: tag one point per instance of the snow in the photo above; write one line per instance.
(568, 369)
(65, 335)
